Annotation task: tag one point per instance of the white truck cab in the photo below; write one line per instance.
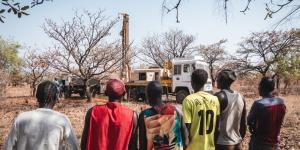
(182, 69)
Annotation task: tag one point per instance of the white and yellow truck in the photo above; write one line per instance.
(175, 77)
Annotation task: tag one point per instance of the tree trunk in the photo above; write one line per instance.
(211, 70)
(33, 89)
(278, 83)
(286, 84)
(87, 91)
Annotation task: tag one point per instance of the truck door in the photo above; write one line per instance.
(186, 74)
(176, 77)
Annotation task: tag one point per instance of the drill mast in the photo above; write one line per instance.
(125, 71)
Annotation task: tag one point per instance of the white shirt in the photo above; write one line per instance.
(230, 120)
(41, 129)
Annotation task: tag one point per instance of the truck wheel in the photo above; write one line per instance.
(180, 95)
(82, 94)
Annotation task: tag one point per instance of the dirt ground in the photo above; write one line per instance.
(76, 109)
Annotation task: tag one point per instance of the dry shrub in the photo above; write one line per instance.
(18, 91)
(3, 82)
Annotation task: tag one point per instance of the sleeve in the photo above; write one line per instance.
(251, 120)
(12, 137)
(284, 110)
(142, 132)
(252, 114)
(184, 131)
(223, 101)
(187, 111)
(218, 106)
(283, 113)
(133, 139)
(243, 123)
(85, 131)
(70, 140)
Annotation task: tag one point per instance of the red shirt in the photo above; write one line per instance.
(266, 117)
(110, 127)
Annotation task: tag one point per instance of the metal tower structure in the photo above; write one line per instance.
(125, 71)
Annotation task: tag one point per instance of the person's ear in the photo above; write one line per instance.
(193, 85)
(218, 85)
(260, 90)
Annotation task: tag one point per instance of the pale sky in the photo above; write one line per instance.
(199, 17)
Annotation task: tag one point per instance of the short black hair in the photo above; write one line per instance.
(226, 77)
(266, 85)
(154, 92)
(199, 77)
(47, 93)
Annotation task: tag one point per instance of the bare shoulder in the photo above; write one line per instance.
(220, 95)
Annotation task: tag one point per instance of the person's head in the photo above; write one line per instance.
(55, 79)
(266, 86)
(47, 94)
(225, 78)
(115, 90)
(154, 92)
(199, 78)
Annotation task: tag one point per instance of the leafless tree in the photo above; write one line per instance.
(234, 63)
(261, 52)
(35, 66)
(17, 8)
(153, 51)
(81, 46)
(212, 54)
(272, 7)
(275, 6)
(163, 47)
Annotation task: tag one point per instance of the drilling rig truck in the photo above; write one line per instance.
(175, 78)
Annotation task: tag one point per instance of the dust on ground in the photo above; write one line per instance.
(76, 109)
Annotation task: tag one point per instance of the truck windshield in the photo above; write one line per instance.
(193, 67)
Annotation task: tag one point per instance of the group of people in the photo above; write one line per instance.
(205, 121)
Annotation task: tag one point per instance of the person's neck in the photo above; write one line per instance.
(158, 107)
(197, 90)
(155, 101)
(226, 88)
(267, 95)
(158, 104)
(114, 100)
(45, 106)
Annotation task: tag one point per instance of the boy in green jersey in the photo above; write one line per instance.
(201, 111)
